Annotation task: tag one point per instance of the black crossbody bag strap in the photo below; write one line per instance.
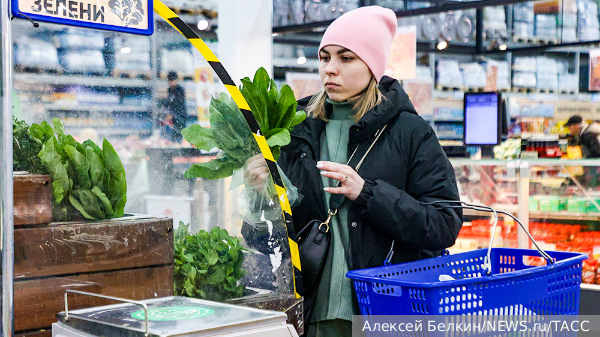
(355, 161)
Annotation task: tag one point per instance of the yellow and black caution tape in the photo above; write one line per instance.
(237, 96)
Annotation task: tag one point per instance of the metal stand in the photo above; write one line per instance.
(6, 182)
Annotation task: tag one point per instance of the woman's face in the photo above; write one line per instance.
(343, 74)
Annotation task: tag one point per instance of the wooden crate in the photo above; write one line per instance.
(32, 199)
(123, 258)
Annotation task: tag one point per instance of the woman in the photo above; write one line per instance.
(406, 166)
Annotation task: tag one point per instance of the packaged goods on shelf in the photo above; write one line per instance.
(35, 53)
(494, 19)
(448, 113)
(555, 7)
(524, 79)
(80, 95)
(83, 61)
(179, 60)
(143, 100)
(449, 74)
(503, 81)
(508, 149)
(587, 20)
(77, 38)
(547, 73)
(474, 75)
(568, 34)
(545, 26)
(449, 130)
(525, 64)
(523, 29)
(568, 82)
(523, 20)
(134, 60)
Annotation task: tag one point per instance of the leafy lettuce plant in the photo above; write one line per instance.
(25, 149)
(207, 265)
(275, 111)
(86, 179)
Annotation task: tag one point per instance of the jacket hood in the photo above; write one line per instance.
(395, 102)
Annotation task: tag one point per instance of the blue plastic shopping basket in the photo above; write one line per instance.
(511, 288)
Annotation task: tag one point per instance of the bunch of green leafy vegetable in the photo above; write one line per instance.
(25, 149)
(86, 179)
(275, 111)
(208, 265)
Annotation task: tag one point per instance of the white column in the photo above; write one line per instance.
(244, 34)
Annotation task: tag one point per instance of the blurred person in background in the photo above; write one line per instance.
(177, 109)
(585, 135)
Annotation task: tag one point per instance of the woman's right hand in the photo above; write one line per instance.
(256, 171)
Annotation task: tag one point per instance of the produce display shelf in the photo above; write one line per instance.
(565, 216)
(78, 80)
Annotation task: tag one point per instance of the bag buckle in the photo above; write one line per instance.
(326, 223)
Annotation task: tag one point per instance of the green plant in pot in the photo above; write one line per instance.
(208, 265)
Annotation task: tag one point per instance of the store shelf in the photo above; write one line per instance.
(81, 80)
(565, 216)
(105, 108)
(595, 287)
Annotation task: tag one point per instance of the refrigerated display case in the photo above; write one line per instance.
(557, 200)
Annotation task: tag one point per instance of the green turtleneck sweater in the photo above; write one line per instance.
(334, 298)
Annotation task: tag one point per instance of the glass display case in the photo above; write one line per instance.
(215, 239)
(557, 200)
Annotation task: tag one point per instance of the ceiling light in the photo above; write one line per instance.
(203, 24)
(442, 45)
(125, 50)
(274, 34)
(502, 47)
(301, 56)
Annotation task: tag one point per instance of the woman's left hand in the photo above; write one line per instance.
(351, 183)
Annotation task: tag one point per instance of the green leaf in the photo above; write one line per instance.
(217, 277)
(52, 161)
(298, 118)
(58, 192)
(257, 103)
(79, 207)
(214, 169)
(58, 127)
(262, 79)
(212, 257)
(81, 167)
(112, 162)
(200, 137)
(96, 148)
(96, 167)
(282, 138)
(90, 203)
(119, 207)
(41, 132)
(104, 202)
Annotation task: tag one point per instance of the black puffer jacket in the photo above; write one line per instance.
(405, 167)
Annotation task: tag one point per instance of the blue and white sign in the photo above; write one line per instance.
(128, 16)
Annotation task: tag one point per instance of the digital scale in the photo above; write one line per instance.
(170, 316)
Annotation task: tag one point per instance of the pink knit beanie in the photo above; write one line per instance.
(368, 32)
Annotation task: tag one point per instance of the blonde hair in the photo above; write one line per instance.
(368, 99)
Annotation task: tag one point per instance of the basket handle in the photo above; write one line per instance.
(487, 260)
